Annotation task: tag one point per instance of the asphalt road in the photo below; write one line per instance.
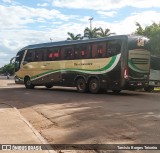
(62, 115)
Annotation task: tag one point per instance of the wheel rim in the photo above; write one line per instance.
(81, 85)
(94, 86)
(28, 82)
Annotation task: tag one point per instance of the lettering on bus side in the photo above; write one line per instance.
(78, 64)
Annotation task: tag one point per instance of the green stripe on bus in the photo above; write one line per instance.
(80, 70)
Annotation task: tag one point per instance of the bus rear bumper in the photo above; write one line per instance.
(136, 84)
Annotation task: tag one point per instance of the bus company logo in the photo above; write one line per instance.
(140, 42)
(81, 64)
(6, 147)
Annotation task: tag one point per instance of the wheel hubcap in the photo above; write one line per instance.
(81, 85)
(93, 85)
(28, 82)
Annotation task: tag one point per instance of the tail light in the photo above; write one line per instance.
(126, 73)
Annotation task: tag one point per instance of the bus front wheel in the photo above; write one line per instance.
(94, 86)
(81, 85)
(28, 83)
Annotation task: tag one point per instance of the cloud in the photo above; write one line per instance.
(127, 26)
(16, 33)
(19, 16)
(107, 14)
(43, 4)
(7, 1)
(2, 55)
(105, 4)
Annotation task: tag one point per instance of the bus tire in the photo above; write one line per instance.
(28, 83)
(48, 86)
(94, 85)
(81, 85)
(116, 91)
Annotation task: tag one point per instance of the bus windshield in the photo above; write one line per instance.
(18, 60)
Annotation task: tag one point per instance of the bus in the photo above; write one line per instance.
(116, 63)
(154, 77)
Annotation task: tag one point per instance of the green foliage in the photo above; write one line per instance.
(8, 68)
(74, 37)
(152, 32)
(90, 33)
(104, 33)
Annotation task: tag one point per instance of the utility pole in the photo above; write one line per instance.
(90, 19)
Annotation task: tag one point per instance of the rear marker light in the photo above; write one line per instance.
(126, 73)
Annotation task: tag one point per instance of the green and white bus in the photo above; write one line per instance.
(114, 63)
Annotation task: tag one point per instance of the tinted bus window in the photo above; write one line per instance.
(29, 56)
(67, 53)
(99, 50)
(53, 54)
(82, 51)
(113, 47)
(39, 54)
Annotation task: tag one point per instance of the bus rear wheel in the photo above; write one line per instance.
(28, 83)
(94, 86)
(81, 85)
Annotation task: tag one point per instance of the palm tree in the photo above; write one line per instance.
(91, 33)
(73, 37)
(104, 33)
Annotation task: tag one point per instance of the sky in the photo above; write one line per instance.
(25, 22)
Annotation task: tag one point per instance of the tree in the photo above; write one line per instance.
(8, 68)
(91, 33)
(139, 29)
(104, 33)
(152, 32)
(74, 37)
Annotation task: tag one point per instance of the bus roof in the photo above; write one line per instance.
(72, 42)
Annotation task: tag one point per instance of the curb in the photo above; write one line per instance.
(38, 135)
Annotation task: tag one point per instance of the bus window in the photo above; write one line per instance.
(99, 50)
(39, 54)
(29, 56)
(85, 51)
(82, 51)
(113, 48)
(53, 54)
(67, 53)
